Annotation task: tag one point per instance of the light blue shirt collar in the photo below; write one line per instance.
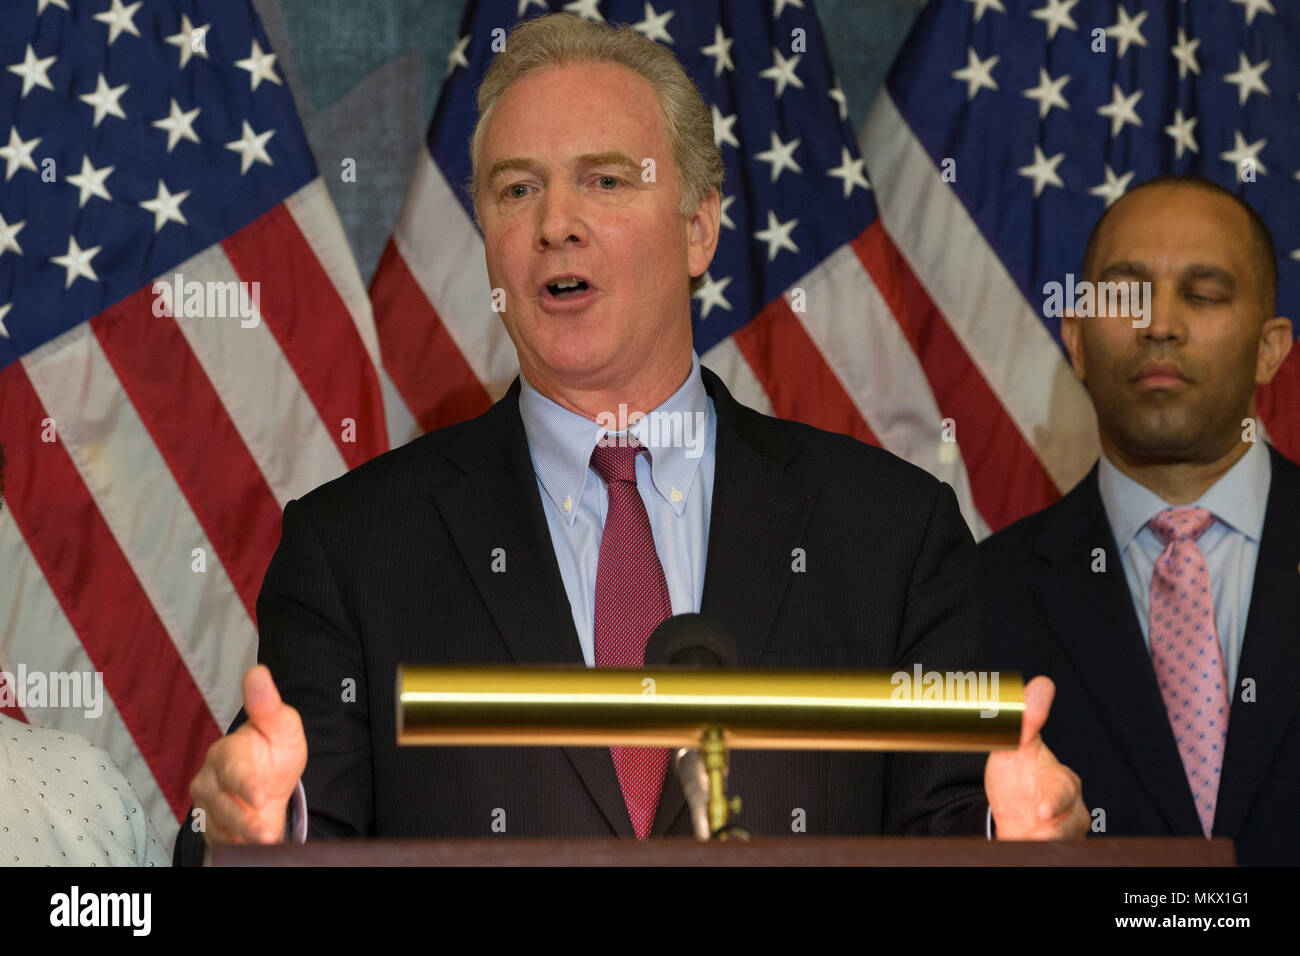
(1238, 499)
(561, 442)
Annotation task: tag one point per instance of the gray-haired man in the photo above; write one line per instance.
(393, 562)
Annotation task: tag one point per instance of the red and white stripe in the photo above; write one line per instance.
(446, 350)
(978, 301)
(318, 221)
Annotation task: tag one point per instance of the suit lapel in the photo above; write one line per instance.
(491, 501)
(1270, 654)
(1092, 616)
(757, 515)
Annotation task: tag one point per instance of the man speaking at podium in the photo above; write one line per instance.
(528, 536)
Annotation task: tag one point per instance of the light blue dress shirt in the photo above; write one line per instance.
(1230, 545)
(675, 478)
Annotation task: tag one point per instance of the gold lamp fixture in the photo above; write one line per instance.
(714, 711)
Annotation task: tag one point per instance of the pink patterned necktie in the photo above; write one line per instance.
(631, 601)
(1186, 655)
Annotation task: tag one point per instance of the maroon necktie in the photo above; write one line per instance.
(631, 601)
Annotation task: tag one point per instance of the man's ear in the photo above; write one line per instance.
(1072, 335)
(702, 233)
(1274, 345)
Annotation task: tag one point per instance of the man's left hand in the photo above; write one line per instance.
(1033, 795)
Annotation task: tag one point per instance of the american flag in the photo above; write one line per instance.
(1043, 113)
(149, 455)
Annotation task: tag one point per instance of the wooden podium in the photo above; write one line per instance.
(785, 851)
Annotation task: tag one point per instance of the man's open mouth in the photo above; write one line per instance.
(566, 287)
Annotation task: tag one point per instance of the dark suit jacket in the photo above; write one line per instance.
(391, 564)
(1049, 613)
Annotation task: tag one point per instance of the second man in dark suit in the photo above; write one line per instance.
(1162, 594)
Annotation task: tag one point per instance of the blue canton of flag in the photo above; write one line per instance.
(132, 138)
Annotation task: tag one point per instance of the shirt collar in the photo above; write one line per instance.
(1237, 499)
(561, 442)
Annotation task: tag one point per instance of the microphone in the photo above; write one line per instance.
(691, 640)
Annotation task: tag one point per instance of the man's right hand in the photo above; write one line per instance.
(244, 785)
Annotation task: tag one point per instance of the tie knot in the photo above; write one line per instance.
(614, 458)
(1178, 524)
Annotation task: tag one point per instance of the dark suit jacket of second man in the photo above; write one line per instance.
(1049, 612)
